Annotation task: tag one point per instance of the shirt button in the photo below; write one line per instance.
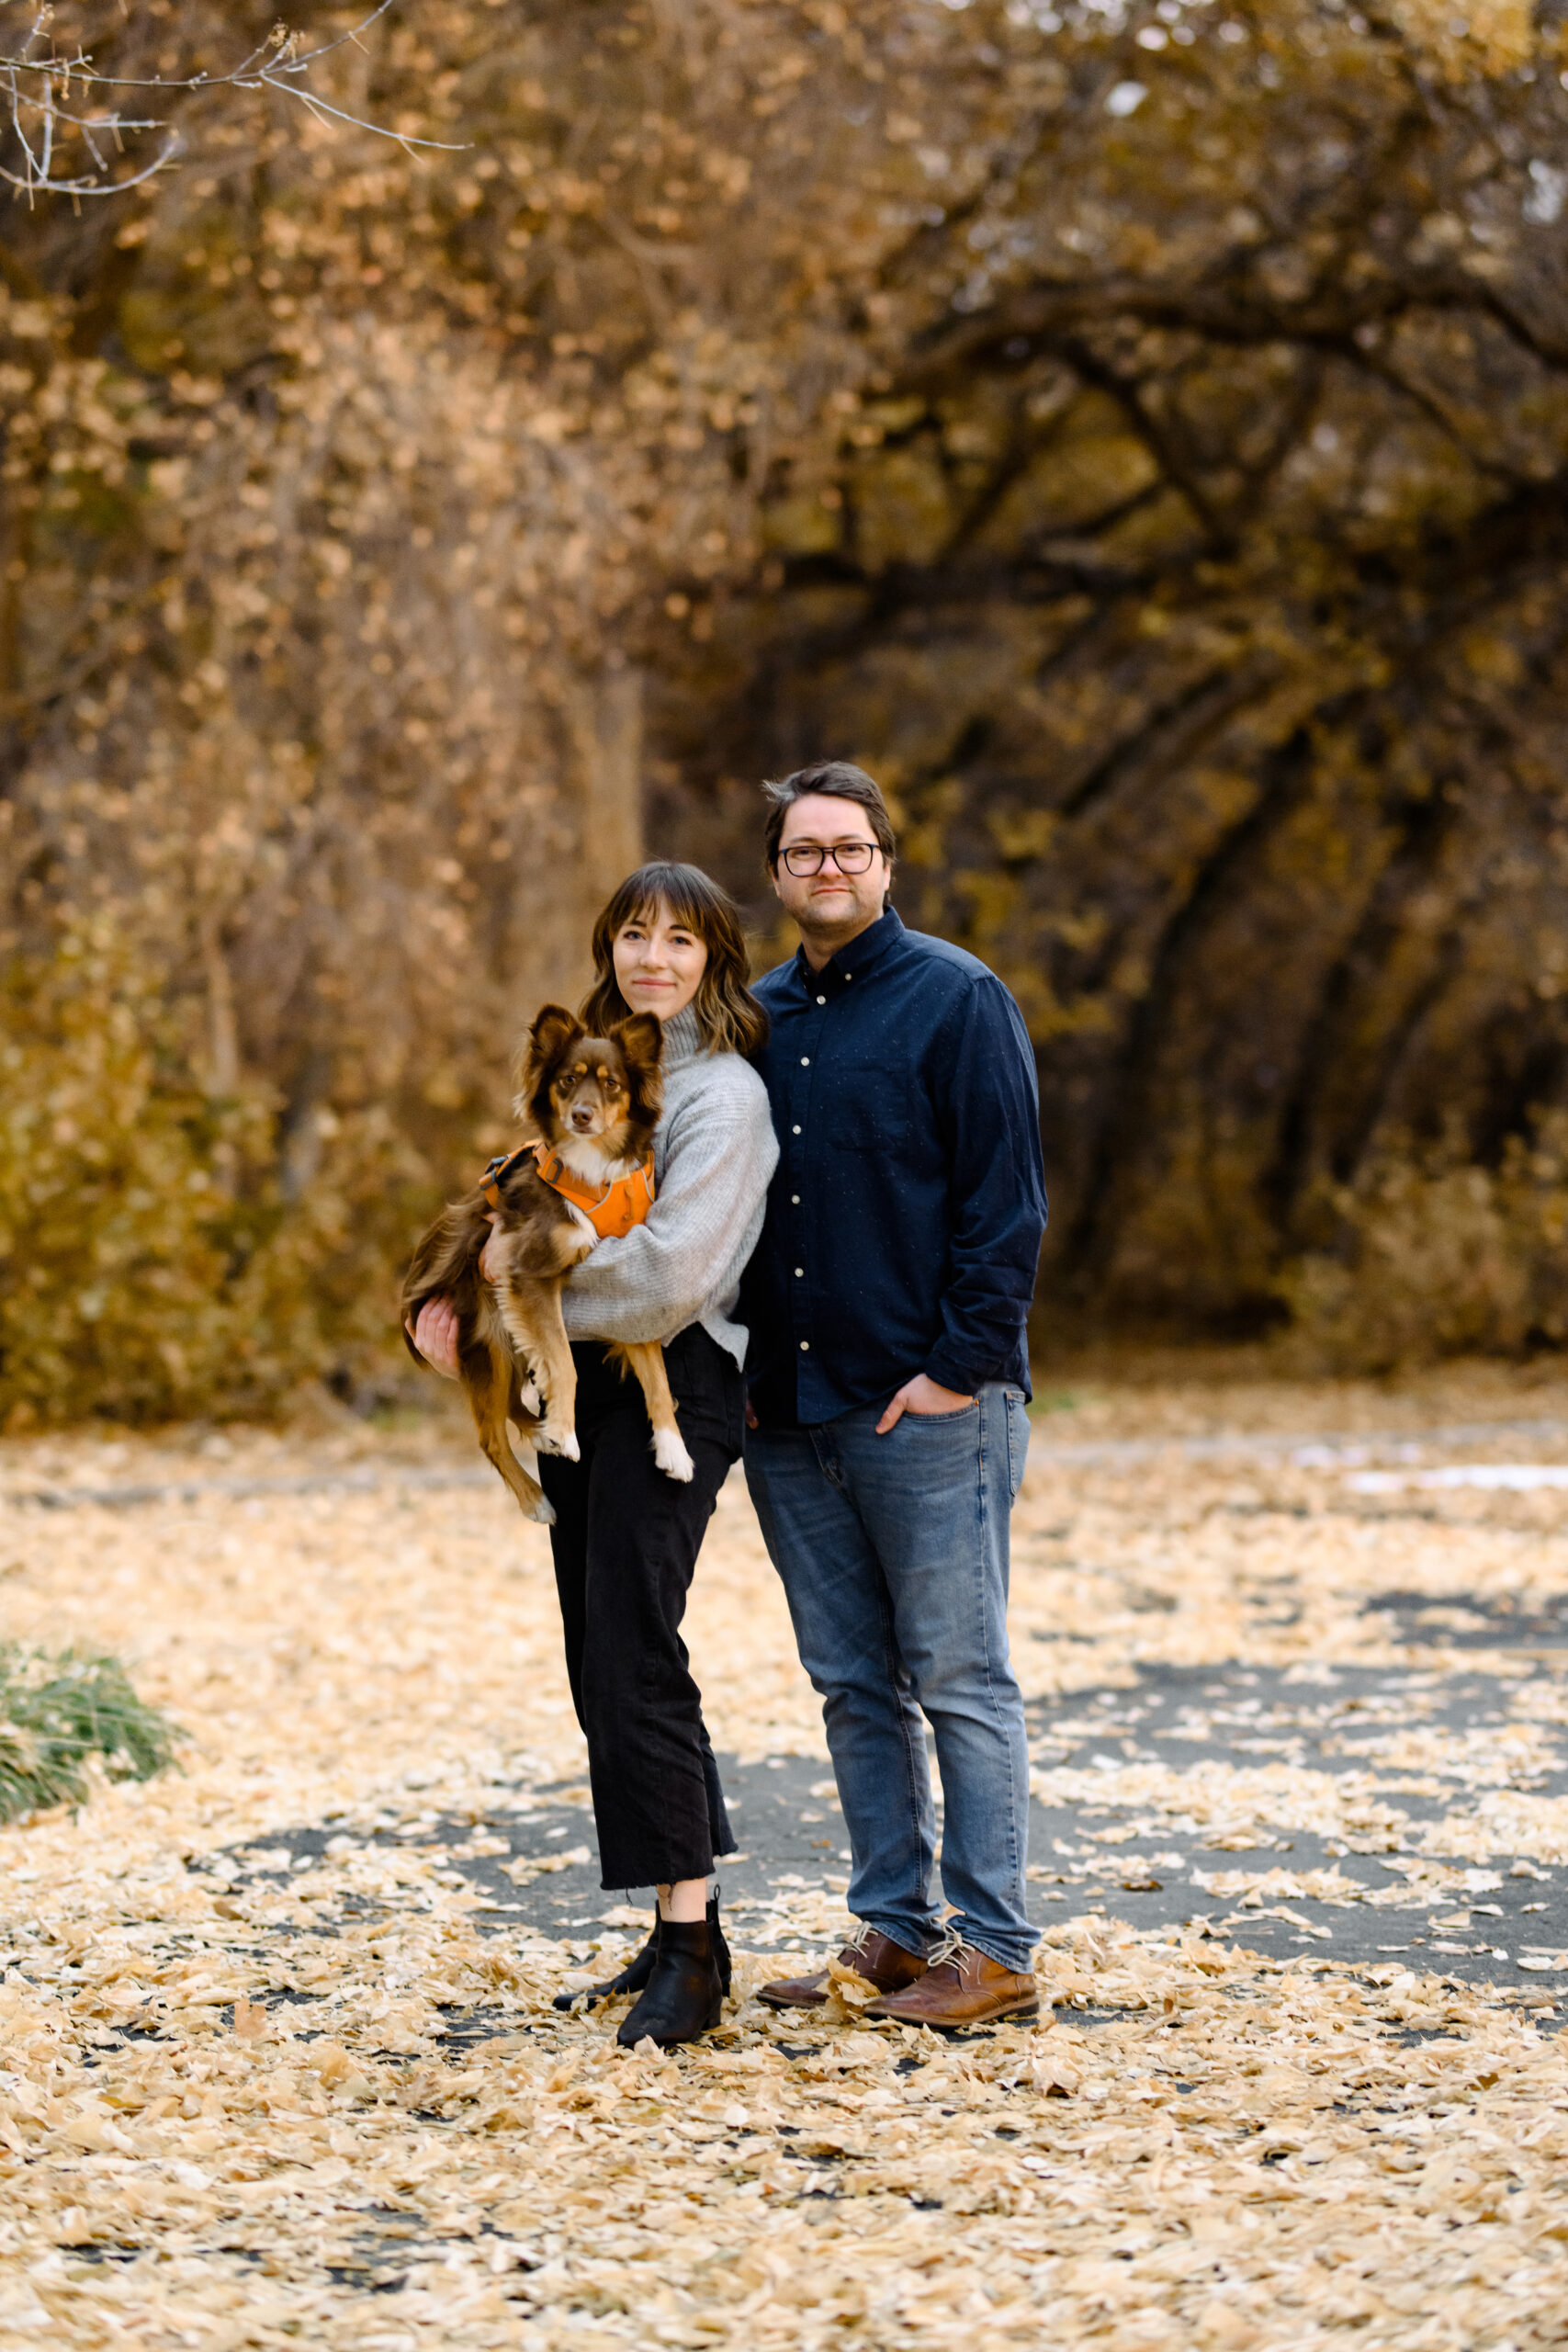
(799, 1272)
(794, 1131)
(805, 1347)
(794, 1200)
(822, 1000)
(806, 1061)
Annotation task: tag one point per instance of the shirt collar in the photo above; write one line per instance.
(866, 949)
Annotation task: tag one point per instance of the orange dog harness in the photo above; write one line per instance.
(614, 1212)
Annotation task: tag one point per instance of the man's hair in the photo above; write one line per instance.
(839, 781)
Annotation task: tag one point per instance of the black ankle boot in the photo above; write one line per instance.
(632, 1978)
(684, 1995)
(720, 1949)
(637, 1971)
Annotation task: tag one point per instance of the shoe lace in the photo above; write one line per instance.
(949, 1945)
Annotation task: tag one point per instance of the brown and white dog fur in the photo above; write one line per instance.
(595, 1101)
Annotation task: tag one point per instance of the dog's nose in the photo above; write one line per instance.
(582, 1119)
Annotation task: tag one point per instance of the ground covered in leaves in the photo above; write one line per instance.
(278, 2059)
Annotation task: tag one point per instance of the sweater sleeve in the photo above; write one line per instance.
(692, 1249)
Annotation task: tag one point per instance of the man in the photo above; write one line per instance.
(888, 1379)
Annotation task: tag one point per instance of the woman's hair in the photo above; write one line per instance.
(729, 1019)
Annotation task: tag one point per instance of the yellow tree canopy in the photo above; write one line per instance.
(1136, 432)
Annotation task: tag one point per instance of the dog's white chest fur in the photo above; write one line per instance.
(582, 1155)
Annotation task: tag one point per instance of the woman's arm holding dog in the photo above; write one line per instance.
(649, 1284)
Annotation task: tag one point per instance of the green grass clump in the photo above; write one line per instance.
(59, 1714)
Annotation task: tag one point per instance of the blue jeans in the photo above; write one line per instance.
(893, 1556)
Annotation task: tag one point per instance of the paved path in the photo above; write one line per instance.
(1386, 1890)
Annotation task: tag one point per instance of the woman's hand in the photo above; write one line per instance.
(435, 1336)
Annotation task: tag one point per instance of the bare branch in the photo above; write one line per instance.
(36, 85)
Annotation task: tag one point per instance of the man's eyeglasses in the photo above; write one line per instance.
(849, 857)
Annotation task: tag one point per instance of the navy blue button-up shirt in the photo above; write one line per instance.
(904, 1224)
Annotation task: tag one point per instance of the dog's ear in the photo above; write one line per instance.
(553, 1029)
(553, 1025)
(641, 1040)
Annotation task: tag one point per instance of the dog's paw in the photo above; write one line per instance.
(561, 1441)
(672, 1455)
(543, 1512)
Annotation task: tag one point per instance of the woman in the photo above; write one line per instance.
(626, 1537)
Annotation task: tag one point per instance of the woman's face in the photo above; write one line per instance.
(659, 962)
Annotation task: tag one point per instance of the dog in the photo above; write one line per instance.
(593, 1102)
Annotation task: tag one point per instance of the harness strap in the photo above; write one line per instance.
(623, 1205)
(499, 1170)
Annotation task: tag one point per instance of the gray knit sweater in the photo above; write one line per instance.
(713, 1152)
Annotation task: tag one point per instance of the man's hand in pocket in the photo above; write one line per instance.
(919, 1395)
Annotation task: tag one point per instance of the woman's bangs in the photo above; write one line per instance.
(677, 906)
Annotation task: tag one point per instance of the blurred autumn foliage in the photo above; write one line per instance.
(1138, 433)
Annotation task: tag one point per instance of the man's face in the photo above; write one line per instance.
(830, 899)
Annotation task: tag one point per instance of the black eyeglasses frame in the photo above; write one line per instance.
(822, 853)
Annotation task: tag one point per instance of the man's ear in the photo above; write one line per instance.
(641, 1040)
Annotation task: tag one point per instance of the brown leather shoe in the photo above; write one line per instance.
(960, 1987)
(870, 1953)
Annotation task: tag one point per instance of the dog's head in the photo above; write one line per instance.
(602, 1091)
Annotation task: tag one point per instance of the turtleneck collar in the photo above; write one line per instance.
(683, 1040)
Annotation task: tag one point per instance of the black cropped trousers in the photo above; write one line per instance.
(625, 1542)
